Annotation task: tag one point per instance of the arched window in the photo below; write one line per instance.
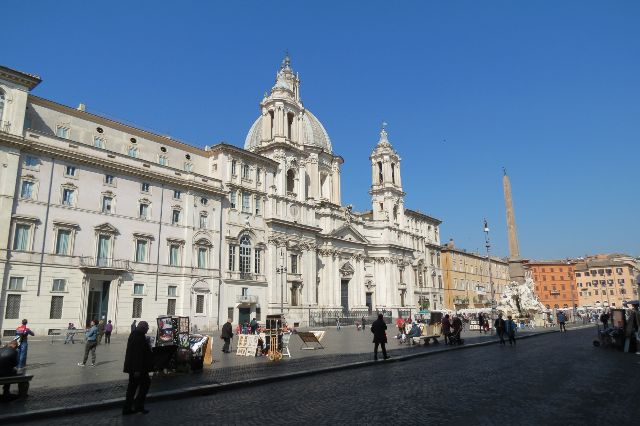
(1, 106)
(290, 125)
(245, 254)
(291, 180)
(380, 177)
(272, 123)
(393, 172)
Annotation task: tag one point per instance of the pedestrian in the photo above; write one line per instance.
(379, 330)
(400, 324)
(101, 327)
(22, 336)
(364, 323)
(90, 345)
(633, 327)
(133, 325)
(338, 323)
(499, 325)
(254, 326)
(8, 364)
(70, 334)
(562, 319)
(481, 322)
(604, 318)
(108, 329)
(446, 328)
(226, 335)
(510, 329)
(138, 362)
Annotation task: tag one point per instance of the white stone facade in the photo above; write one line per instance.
(104, 219)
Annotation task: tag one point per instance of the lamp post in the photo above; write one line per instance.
(282, 270)
(573, 300)
(493, 295)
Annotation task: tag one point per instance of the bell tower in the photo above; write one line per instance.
(387, 196)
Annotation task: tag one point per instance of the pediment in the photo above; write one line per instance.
(107, 227)
(347, 269)
(348, 233)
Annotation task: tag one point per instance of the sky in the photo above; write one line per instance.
(549, 90)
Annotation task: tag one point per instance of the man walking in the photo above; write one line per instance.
(227, 335)
(90, 345)
(562, 319)
(108, 328)
(22, 335)
(70, 334)
(446, 329)
(499, 325)
(363, 323)
(510, 329)
(138, 361)
(379, 330)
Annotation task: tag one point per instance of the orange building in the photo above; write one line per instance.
(607, 280)
(555, 283)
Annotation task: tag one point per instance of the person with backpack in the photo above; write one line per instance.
(22, 335)
(562, 319)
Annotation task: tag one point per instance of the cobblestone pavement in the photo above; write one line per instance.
(59, 382)
(552, 379)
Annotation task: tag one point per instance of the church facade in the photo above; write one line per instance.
(105, 220)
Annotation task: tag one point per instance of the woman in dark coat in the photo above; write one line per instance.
(379, 330)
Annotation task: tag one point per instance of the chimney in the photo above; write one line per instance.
(82, 107)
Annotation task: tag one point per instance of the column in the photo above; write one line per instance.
(314, 177)
(302, 183)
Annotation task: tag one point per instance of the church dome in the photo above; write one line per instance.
(314, 133)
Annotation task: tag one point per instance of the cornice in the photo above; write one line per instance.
(222, 147)
(27, 80)
(50, 150)
(84, 115)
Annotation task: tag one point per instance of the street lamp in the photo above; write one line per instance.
(282, 270)
(573, 300)
(493, 295)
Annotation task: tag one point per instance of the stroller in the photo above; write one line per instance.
(454, 337)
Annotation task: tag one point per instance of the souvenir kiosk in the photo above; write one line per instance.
(175, 348)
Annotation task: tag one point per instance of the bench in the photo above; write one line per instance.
(425, 339)
(21, 379)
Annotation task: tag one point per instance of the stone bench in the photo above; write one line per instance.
(21, 379)
(425, 339)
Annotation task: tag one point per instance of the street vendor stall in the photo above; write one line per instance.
(174, 348)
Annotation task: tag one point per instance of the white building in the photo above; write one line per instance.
(102, 219)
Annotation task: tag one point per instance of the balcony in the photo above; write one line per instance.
(555, 293)
(102, 264)
(244, 276)
(247, 299)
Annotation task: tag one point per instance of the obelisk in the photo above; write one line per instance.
(516, 270)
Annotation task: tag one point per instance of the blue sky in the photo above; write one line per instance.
(550, 90)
